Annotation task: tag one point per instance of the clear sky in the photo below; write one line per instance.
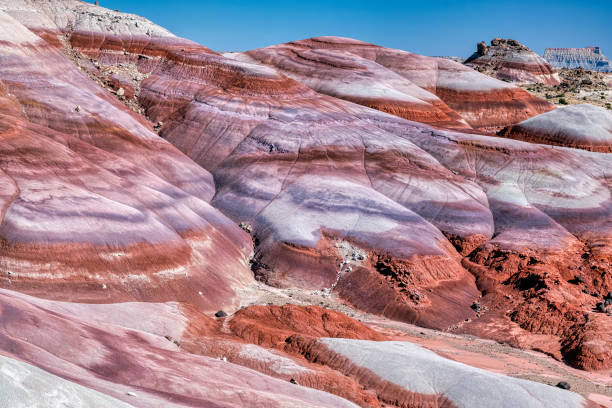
(425, 27)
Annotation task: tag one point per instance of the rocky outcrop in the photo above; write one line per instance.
(144, 362)
(583, 126)
(590, 58)
(509, 60)
(270, 326)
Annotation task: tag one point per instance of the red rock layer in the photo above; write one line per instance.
(387, 392)
(340, 197)
(306, 172)
(545, 269)
(131, 360)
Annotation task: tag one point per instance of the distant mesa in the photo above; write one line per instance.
(590, 58)
(511, 61)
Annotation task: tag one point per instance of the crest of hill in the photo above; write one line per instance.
(509, 60)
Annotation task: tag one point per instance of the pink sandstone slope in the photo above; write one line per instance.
(95, 206)
(154, 363)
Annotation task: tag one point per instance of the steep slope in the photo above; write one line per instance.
(348, 76)
(590, 58)
(95, 206)
(511, 61)
(485, 103)
(581, 126)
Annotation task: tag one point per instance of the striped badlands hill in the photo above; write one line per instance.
(582, 126)
(483, 102)
(511, 61)
(450, 230)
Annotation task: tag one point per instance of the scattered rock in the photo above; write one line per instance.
(130, 393)
(563, 385)
(77, 109)
(220, 313)
(481, 48)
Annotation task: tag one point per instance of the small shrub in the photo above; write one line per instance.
(562, 101)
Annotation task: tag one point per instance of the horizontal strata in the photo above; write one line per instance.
(182, 358)
(483, 102)
(590, 58)
(109, 349)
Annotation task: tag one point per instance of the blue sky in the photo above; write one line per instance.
(425, 27)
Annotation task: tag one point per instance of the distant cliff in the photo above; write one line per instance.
(590, 58)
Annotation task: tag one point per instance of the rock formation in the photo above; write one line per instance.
(509, 60)
(347, 76)
(581, 126)
(590, 58)
(233, 164)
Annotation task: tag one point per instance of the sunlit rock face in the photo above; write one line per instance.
(391, 368)
(395, 217)
(511, 61)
